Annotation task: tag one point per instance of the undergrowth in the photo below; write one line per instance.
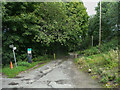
(105, 47)
(104, 65)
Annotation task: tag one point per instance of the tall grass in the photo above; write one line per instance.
(104, 65)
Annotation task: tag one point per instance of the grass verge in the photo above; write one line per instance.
(101, 66)
(22, 66)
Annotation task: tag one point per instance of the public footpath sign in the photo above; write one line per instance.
(29, 50)
(29, 55)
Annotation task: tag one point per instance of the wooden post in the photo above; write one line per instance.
(100, 29)
(92, 40)
(75, 55)
(54, 56)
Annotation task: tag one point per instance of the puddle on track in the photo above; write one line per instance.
(13, 83)
(25, 79)
(62, 82)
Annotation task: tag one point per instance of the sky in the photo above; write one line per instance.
(90, 5)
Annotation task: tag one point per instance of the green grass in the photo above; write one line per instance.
(22, 66)
(104, 66)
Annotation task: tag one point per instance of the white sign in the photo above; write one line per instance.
(14, 48)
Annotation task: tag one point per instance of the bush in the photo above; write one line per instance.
(117, 80)
(91, 51)
(41, 58)
(104, 79)
(104, 48)
(23, 64)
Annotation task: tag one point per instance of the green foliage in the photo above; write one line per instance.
(109, 24)
(104, 66)
(117, 80)
(24, 64)
(13, 72)
(46, 27)
(104, 48)
(91, 51)
(86, 43)
(41, 58)
(104, 79)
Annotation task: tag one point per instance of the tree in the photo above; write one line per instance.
(46, 27)
(78, 24)
(109, 22)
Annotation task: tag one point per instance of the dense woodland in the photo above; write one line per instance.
(47, 28)
(53, 27)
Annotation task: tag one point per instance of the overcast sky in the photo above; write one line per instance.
(90, 5)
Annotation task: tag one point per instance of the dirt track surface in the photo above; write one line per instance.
(56, 74)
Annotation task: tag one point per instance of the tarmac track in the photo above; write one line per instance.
(57, 74)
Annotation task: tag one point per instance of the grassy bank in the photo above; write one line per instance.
(24, 66)
(102, 66)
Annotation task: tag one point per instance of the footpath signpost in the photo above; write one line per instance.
(14, 48)
(29, 53)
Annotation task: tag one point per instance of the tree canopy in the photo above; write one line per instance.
(46, 27)
(109, 23)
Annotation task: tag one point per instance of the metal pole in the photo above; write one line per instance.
(14, 57)
(100, 29)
